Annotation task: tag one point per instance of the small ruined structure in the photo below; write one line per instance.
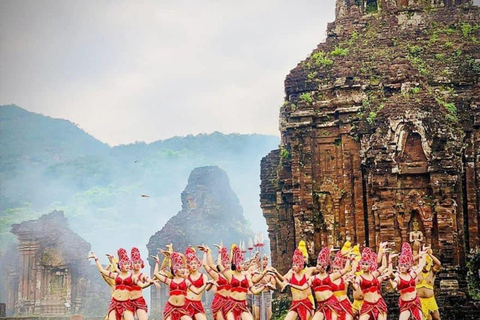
(210, 213)
(381, 135)
(50, 278)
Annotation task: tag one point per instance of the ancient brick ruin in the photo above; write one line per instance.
(49, 274)
(381, 134)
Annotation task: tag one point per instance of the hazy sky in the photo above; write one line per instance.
(148, 70)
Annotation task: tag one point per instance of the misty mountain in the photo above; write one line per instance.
(114, 196)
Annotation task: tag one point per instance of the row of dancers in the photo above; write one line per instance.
(232, 279)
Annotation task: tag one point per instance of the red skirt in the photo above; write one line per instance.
(175, 312)
(374, 309)
(346, 306)
(302, 307)
(139, 304)
(120, 307)
(414, 306)
(328, 306)
(218, 305)
(236, 307)
(193, 307)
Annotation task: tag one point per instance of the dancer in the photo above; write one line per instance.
(339, 287)
(404, 281)
(175, 307)
(374, 306)
(222, 291)
(328, 306)
(240, 284)
(193, 301)
(424, 285)
(297, 279)
(120, 305)
(140, 281)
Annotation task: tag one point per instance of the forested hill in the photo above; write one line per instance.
(109, 192)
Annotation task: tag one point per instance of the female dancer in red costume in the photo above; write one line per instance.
(297, 279)
(222, 291)
(175, 307)
(404, 281)
(193, 302)
(140, 307)
(120, 305)
(240, 283)
(339, 288)
(374, 306)
(328, 306)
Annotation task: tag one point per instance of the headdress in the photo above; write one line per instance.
(356, 252)
(135, 254)
(237, 256)
(347, 248)
(366, 255)
(177, 260)
(406, 256)
(324, 257)
(224, 257)
(123, 257)
(298, 258)
(303, 248)
(339, 260)
(191, 255)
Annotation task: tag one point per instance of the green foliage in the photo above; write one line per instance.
(440, 56)
(415, 50)
(467, 29)
(449, 44)
(280, 308)
(473, 275)
(321, 59)
(371, 117)
(339, 52)
(416, 90)
(305, 97)
(284, 153)
(451, 109)
(372, 7)
(457, 53)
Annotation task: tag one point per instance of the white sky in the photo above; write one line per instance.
(128, 71)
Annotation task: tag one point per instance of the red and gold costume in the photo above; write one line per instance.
(414, 306)
(194, 306)
(138, 303)
(219, 302)
(370, 308)
(237, 307)
(180, 289)
(119, 307)
(302, 307)
(340, 290)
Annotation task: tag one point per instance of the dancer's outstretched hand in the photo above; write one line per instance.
(164, 252)
(155, 258)
(110, 257)
(92, 255)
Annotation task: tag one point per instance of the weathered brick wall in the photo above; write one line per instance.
(380, 126)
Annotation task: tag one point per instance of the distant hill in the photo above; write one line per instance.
(48, 164)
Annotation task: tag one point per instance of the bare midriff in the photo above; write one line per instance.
(121, 294)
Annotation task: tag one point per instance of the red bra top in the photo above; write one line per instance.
(406, 286)
(324, 284)
(178, 289)
(222, 283)
(369, 285)
(197, 283)
(338, 287)
(302, 281)
(123, 284)
(239, 286)
(135, 287)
